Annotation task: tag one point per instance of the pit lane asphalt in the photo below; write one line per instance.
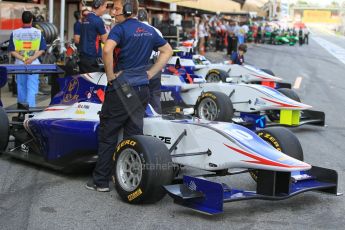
(32, 197)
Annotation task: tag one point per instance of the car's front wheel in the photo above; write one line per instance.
(4, 130)
(283, 140)
(214, 106)
(216, 75)
(142, 167)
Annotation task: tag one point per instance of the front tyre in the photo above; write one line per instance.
(216, 75)
(283, 140)
(4, 130)
(214, 106)
(142, 167)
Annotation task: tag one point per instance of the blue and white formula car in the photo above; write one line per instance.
(257, 105)
(225, 72)
(146, 167)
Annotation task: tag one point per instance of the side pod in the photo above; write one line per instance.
(208, 197)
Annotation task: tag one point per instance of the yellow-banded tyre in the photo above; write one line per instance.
(216, 75)
(214, 106)
(142, 166)
(4, 130)
(283, 140)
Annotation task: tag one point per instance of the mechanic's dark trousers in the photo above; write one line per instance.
(300, 39)
(306, 39)
(88, 65)
(118, 112)
(155, 91)
(232, 45)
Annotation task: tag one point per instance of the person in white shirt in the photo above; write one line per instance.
(202, 33)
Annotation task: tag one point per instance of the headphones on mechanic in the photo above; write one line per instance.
(97, 3)
(142, 15)
(127, 9)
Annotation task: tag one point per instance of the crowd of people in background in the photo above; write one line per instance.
(221, 34)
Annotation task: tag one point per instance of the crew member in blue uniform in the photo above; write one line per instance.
(27, 44)
(127, 94)
(92, 33)
(155, 82)
(238, 57)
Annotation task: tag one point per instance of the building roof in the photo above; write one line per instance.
(218, 6)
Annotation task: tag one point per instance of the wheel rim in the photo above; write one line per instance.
(129, 170)
(213, 78)
(208, 109)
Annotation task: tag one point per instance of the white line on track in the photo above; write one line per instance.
(333, 49)
(298, 82)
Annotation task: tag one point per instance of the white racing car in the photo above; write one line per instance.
(257, 105)
(65, 133)
(225, 72)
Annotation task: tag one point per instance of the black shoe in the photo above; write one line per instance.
(91, 186)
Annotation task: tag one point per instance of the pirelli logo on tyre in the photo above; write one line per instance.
(214, 71)
(211, 95)
(270, 139)
(126, 143)
(135, 194)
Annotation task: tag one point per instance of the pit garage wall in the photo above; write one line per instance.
(11, 14)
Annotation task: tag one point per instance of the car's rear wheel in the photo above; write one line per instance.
(4, 130)
(214, 106)
(283, 140)
(274, 115)
(216, 75)
(142, 167)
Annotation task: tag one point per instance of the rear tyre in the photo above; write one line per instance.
(142, 166)
(214, 106)
(274, 115)
(4, 130)
(283, 140)
(216, 75)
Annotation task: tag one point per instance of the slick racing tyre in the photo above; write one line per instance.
(142, 166)
(214, 106)
(4, 130)
(49, 30)
(268, 71)
(216, 75)
(274, 115)
(283, 140)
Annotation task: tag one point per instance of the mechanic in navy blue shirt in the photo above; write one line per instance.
(238, 57)
(92, 33)
(127, 94)
(77, 25)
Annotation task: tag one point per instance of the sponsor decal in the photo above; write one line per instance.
(134, 195)
(269, 138)
(259, 102)
(166, 96)
(126, 143)
(72, 91)
(80, 112)
(208, 95)
(192, 185)
(214, 71)
(80, 106)
(141, 32)
(166, 140)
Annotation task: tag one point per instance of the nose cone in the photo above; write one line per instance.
(283, 102)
